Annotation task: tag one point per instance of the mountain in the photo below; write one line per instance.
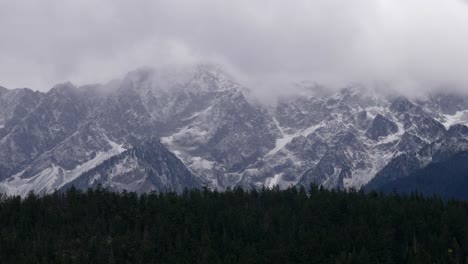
(143, 168)
(219, 132)
(448, 179)
(453, 142)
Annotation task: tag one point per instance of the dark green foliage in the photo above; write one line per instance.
(236, 226)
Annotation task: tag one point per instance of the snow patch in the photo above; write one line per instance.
(197, 114)
(373, 111)
(395, 136)
(273, 181)
(199, 164)
(286, 138)
(460, 117)
(55, 177)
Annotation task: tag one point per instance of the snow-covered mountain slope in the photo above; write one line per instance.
(453, 142)
(14, 105)
(45, 179)
(56, 116)
(342, 140)
(143, 168)
(225, 139)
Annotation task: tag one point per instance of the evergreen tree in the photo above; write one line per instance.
(235, 226)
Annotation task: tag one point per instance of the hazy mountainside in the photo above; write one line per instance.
(448, 179)
(224, 138)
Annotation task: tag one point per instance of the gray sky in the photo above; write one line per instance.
(412, 45)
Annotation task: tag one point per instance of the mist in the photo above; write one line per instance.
(408, 46)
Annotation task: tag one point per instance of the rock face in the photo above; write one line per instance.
(448, 179)
(453, 142)
(143, 168)
(381, 127)
(212, 133)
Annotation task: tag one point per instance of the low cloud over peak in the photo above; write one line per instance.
(414, 47)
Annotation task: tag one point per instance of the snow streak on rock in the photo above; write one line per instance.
(344, 139)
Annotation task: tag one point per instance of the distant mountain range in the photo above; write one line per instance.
(168, 130)
(448, 179)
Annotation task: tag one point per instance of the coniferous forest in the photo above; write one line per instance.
(235, 226)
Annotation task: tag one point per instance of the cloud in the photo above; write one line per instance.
(412, 45)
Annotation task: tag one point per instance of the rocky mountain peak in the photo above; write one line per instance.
(62, 89)
(3, 89)
(402, 105)
(153, 126)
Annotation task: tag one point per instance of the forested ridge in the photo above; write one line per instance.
(235, 226)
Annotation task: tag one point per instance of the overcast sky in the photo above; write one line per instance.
(411, 44)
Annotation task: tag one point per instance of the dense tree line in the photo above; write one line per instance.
(235, 226)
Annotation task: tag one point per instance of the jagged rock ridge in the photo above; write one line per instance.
(209, 127)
